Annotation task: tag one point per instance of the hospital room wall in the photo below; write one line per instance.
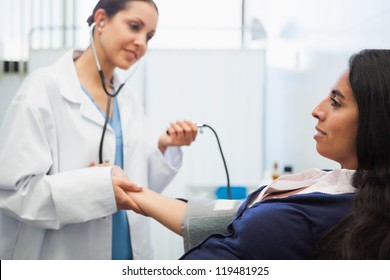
(221, 88)
(9, 84)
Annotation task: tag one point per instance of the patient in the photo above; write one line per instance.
(341, 214)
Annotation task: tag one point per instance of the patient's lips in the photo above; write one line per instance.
(320, 133)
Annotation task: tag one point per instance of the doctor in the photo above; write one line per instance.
(53, 204)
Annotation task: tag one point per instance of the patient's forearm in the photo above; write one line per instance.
(167, 211)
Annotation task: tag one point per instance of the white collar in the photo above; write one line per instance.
(313, 180)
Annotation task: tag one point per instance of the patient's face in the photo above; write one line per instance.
(337, 117)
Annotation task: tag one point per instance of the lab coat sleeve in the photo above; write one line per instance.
(163, 168)
(30, 192)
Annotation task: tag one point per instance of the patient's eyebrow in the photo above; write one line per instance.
(338, 93)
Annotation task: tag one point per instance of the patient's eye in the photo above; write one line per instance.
(336, 98)
(334, 102)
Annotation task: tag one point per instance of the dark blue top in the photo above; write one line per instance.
(276, 228)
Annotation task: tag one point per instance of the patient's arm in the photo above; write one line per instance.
(167, 211)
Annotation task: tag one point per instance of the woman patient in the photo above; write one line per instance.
(341, 214)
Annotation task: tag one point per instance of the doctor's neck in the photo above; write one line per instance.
(87, 70)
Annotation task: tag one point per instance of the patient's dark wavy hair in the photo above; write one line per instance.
(365, 232)
(111, 7)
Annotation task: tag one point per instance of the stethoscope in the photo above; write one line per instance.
(109, 95)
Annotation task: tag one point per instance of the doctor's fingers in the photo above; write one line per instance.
(184, 131)
(94, 164)
(190, 130)
(125, 184)
(125, 202)
(118, 172)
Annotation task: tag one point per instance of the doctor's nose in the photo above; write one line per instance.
(141, 40)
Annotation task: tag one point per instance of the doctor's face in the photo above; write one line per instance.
(337, 117)
(124, 37)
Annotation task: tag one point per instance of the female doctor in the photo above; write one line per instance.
(53, 204)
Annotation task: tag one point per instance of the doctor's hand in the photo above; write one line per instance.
(122, 185)
(179, 133)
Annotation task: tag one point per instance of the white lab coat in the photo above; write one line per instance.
(53, 206)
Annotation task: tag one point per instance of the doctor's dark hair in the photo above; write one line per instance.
(111, 7)
(365, 232)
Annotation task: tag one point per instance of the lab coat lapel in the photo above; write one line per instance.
(89, 110)
(124, 110)
(124, 105)
(70, 88)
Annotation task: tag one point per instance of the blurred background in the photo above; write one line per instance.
(251, 69)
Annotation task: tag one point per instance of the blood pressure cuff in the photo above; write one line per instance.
(203, 218)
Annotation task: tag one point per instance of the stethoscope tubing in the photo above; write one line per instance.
(110, 95)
